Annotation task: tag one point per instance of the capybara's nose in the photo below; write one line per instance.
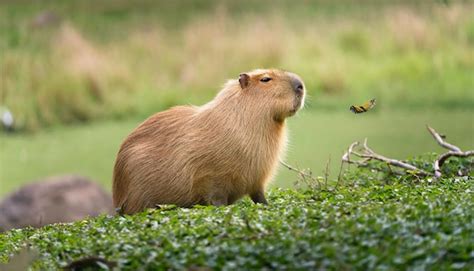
(297, 86)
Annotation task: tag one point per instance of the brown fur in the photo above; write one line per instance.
(213, 154)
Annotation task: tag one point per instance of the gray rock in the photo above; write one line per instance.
(56, 199)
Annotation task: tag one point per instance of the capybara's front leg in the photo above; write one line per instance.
(259, 197)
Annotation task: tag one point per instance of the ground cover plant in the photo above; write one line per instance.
(369, 220)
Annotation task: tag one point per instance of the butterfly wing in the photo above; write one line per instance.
(363, 108)
(368, 105)
(356, 109)
(371, 104)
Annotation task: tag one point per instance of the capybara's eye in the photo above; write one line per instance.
(265, 79)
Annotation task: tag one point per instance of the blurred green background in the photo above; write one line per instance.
(78, 76)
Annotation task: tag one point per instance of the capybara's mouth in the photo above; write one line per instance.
(297, 105)
(295, 108)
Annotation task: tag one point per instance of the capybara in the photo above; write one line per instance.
(210, 154)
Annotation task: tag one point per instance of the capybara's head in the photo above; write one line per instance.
(283, 92)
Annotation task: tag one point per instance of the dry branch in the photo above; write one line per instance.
(347, 155)
(303, 174)
(441, 141)
(453, 151)
(443, 157)
(300, 172)
(368, 154)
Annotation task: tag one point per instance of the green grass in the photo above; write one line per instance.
(364, 224)
(114, 58)
(315, 136)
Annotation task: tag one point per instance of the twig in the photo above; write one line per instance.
(390, 169)
(445, 156)
(303, 175)
(368, 154)
(326, 172)
(347, 155)
(441, 142)
(372, 155)
(454, 151)
(340, 173)
(346, 158)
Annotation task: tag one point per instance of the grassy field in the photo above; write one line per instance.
(315, 136)
(76, 61)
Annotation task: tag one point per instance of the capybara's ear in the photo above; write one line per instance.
(244, 80)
